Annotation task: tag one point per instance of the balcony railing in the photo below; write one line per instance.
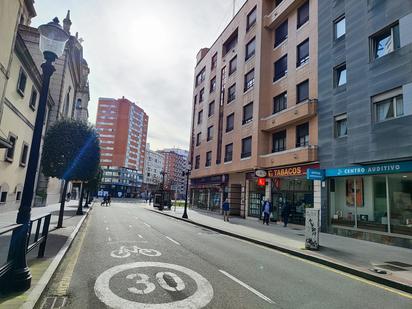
(279, 12)
(290, 156)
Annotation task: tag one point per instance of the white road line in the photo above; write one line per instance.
(140, 236)
(148, 225)
(248, 287)
(107, 228)
(172, 240)
(109, 239)
(130, 226)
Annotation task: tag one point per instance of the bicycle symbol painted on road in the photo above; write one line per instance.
(126, 251)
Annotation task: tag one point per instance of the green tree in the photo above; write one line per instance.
(71, 151)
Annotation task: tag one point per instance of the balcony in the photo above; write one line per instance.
(290, 157)
(283, 9)
(301, 111)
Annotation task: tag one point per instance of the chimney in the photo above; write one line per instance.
(67, 23)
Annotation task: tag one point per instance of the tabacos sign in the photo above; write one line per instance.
(291, 171)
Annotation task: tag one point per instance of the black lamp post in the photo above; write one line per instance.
(163, 173)
(52, 42)
(187, 174)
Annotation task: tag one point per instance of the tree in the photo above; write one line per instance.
(71, 151)
(93, 185)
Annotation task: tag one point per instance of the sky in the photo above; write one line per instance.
(145, 51)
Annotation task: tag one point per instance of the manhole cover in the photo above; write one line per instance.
(400, 264)
(391, 267)
(54, 302)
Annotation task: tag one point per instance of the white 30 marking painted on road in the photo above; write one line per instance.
(248, 287)
(202, 296)
(148, 225)
(172, 240)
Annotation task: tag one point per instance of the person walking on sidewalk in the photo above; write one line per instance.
(226, 209)
(267, 209)
(285, 213)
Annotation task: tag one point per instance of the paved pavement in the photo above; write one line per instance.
(129, 257)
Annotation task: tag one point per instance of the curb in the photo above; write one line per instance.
(37, 291)
(332, 264)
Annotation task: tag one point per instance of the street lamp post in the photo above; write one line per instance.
(52, 42)
(187, 174)
(163, 173)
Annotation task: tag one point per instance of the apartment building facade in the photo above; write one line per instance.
(175, 164)
(122, 128)
(365, 119)
(255, 108)
(153, 166)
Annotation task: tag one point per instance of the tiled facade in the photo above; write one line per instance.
(175, 164)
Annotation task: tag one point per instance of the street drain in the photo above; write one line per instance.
(54, 302)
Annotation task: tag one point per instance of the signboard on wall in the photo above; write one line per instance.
(291, 171)
(388, 168)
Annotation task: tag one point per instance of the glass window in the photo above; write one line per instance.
(280, 102)
(339, 27)
(199, 117)
(24, 153)
(388, 108)
(213, 84)
(247, 113)
(400, 200)
(198, 138)
(209, 133)
(211, 108)
(201, 76)
(10, 151)
(281, 68)
(302, 91)
(249, 80)
(228, 152)
(214, 61)
(302, 135)
(33, 99)
(21, 83)
(197, 162)
(302, 53)
(208, 158)
(281, 33)
(230, 121)
(3, 197)
(233, 65)
(279, 141)
(230, 43)
(251, 19)
(231, 93)
(341, 125)
(201, 95)
(385, 42)
(340, 75)
(250, 48)
(246, 147)
(303, 14)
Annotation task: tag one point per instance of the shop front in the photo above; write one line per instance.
(256, 194)
(290, 187)
(208, 192)
(372, 202)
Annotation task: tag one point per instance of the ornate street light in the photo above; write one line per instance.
(187, 174)
(52, 43)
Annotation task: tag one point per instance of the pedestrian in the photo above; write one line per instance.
(267, 209)
(109, 200)
(150, 198)
(226, 209)
(285, 214)
(68, 196)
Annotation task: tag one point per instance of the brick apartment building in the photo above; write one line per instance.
(255, 107)
(175, 163)
(122, 128)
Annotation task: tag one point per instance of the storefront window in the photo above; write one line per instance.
(400, 196)
(256, 195)
(200, 198)
(342, 201)
(215, 199)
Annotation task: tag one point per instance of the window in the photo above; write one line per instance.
(233, 65)
(278, 2)
(385, 42)
(388, 105)
(251, 19)
(230, 122)
(230, 43)
(231, 93)
(197, 162)
(195, 100)
(247, 113)
(199, 117)
(280, 102)
(211, 109)
(201, 95)
(228, 152)
(18, 195)
(3, 197)
(281, 68)
(24, 153)
(281, 33)
(341, 125)
(208, 158)
(210, 133)
(33, 99)
(303, 14)
(279, 141)
(339, 27)
(198, 138)
(246, 147)
(21, 83)
(302, 135)
(213, 84)
(302, 53)
(302, 91)
(10, 151)
(214, 62)
(250, 48)
(340, 75)
(201, 76)
(249, 80)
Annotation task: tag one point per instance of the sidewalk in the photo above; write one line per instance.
(42, 268)
(350, 255)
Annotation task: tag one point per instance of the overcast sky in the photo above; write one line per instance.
(145, 51)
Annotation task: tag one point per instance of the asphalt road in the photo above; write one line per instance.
(129, 257)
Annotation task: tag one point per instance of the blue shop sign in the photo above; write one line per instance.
(388, 168)
(315, 174)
